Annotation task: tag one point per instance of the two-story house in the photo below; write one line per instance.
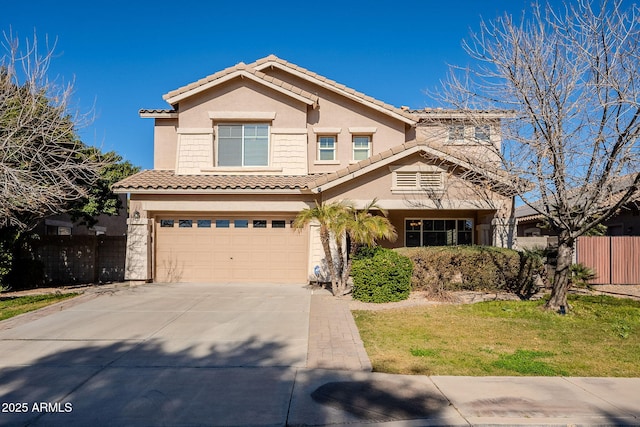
(242, 151)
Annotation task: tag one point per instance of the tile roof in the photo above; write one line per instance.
(239, 69)
(615, 190)
(255, 68)
(157, 111)
(502, 182)
(272, 59)
(159, 180)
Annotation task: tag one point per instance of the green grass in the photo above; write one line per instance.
(10, 307)
(599, 337)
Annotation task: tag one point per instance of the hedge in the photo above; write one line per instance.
(381, 275)
(475, 268)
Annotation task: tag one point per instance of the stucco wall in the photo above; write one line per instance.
(337, 112)
(456, 193)
(165, 140)
(246, 96)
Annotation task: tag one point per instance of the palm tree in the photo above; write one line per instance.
(331, 217)
(341, 219)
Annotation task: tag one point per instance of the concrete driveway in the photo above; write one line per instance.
(159, 355)
(196, 354)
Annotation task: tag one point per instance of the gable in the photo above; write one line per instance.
(259, 73)
(272, 62)
(239, 99)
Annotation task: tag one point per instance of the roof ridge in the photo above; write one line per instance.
(273, 58)
(242, 67)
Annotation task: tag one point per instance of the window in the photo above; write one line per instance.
(185, 223)
(204, 223)
(64, 231)
(222, 223)
(326, 147)
(456, 133)
(361, 147)
(438, 232)
(166, 223)
(243, 145)
(259, 223)
(241, 223)
(277, 223)
(483, 133)
(411, 180)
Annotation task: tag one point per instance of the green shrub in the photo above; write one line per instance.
(26, 274)
(381, 275)
(442, 269)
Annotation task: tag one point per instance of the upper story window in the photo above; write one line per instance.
(361, 147)
(243, 145)
(456, 133)
(483, 133)
(327, 147)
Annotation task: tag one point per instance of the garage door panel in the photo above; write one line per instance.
(252, 254)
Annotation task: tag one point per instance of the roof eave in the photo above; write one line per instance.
(206, 191)
(179, 96)
(404, 117)
(158, 114)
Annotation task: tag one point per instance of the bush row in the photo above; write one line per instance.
(475, 268)
(384, 275)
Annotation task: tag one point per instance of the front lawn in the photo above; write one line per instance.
(600, 337)
(12, 306)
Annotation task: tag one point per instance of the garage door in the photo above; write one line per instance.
(235, 249)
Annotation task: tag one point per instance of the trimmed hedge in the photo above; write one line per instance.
(440, 269)
(381, 275)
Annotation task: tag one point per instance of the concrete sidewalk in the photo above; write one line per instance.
(215, 355)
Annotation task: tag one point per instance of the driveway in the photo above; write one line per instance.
(205, 354)
(159, 354)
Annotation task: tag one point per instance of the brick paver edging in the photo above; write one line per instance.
(334, 340)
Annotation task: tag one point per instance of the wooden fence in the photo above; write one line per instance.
(615, 259)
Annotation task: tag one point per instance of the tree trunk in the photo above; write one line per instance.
(562, 277)
(339, 266)
(353, 248)
(325, 238)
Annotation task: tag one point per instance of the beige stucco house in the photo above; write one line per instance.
(242, 151)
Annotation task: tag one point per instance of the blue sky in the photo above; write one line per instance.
(124, 55)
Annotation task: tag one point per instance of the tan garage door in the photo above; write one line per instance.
(249, 249)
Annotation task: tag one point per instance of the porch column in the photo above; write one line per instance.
(138, 260)
(484, 232)
(503, 232)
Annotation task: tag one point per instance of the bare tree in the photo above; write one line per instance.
(43, 165)
(571, 77)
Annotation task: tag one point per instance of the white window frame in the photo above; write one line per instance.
(421, 231)
(334, 150)
(242, 159)
(482, 130)
(367, 149)
(454, 133)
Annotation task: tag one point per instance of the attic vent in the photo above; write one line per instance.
(406, 179)
(430, 179)
(418, 180)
